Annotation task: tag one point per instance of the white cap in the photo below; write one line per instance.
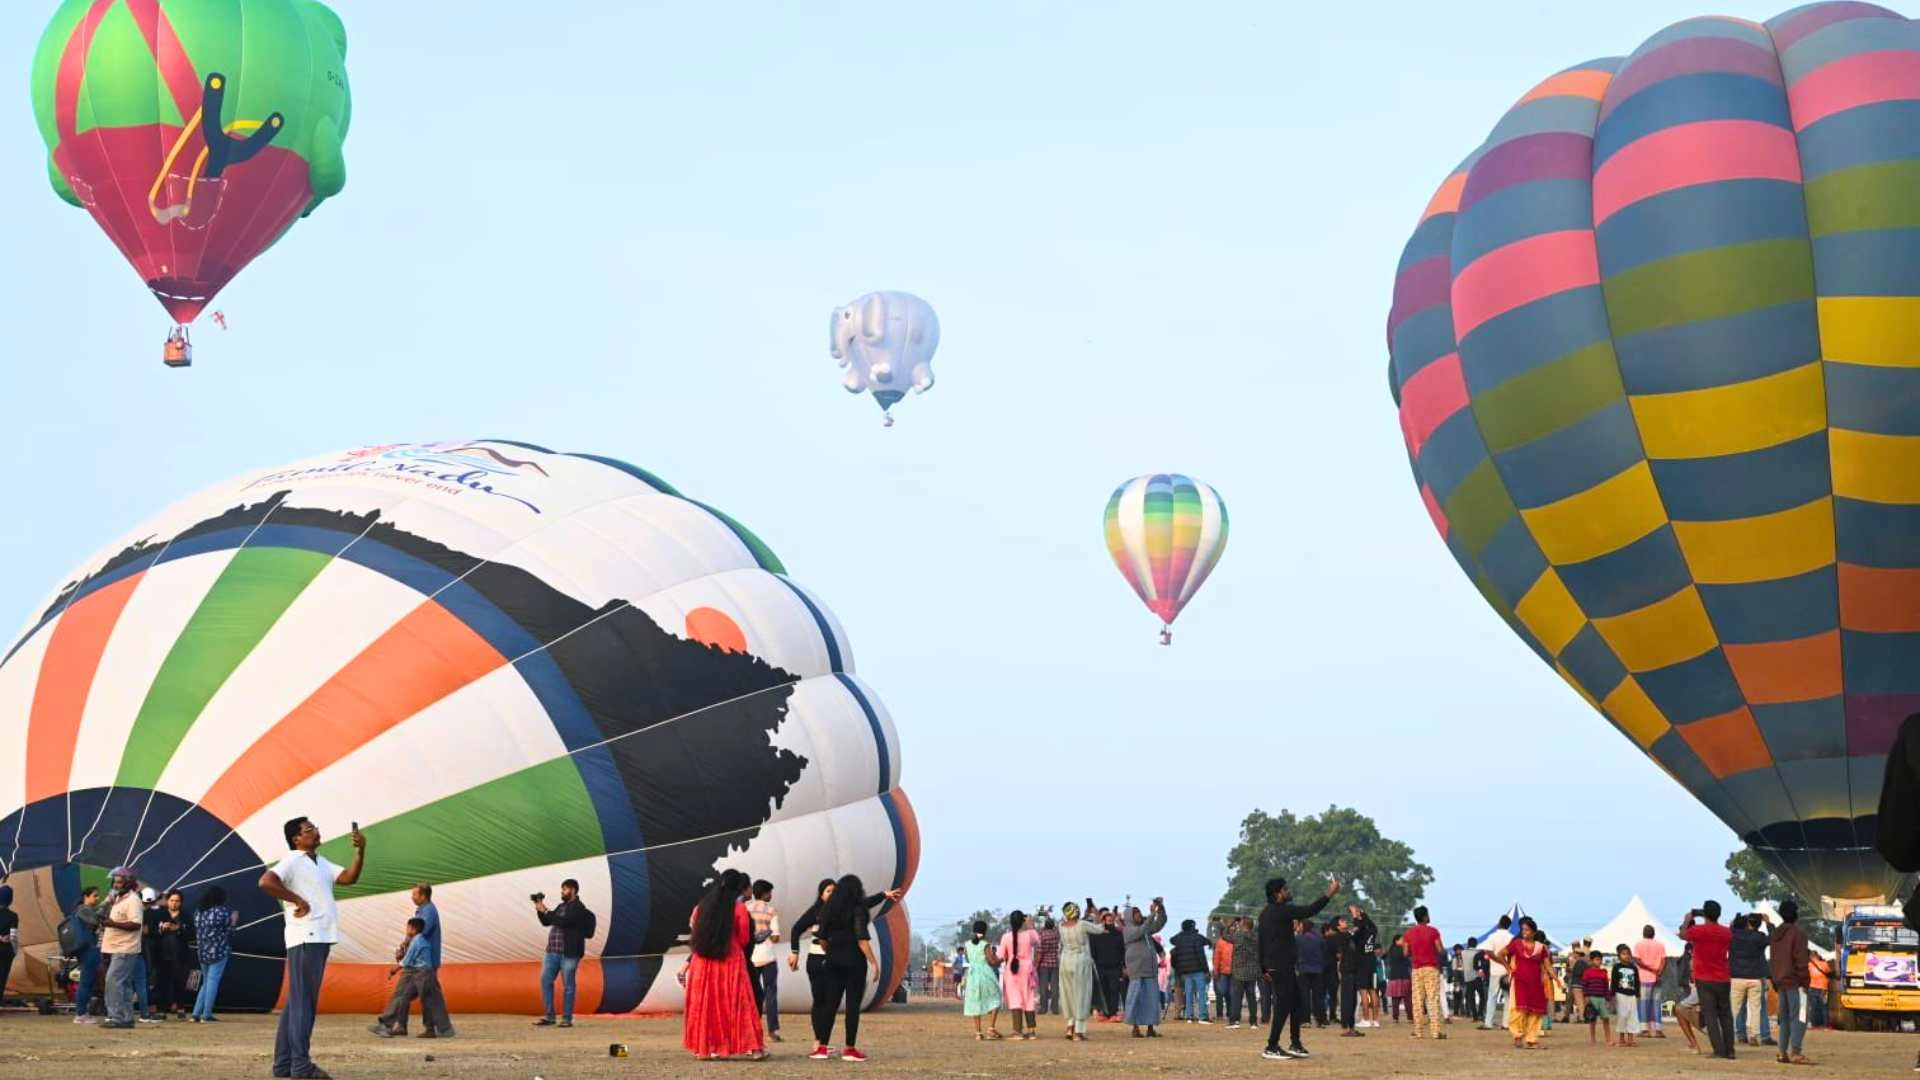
(146, 895)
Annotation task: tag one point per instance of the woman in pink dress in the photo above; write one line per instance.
(722, 1019)
(1527, 961)
(1019, 978)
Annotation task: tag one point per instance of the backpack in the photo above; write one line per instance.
(75, 938)
(590, 923)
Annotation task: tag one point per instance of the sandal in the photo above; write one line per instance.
(994, 1036)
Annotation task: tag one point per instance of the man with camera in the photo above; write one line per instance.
(569, 924)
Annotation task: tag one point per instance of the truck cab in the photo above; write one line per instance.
(1876, 971)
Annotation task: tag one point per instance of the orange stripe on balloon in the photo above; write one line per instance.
(1585, 83)
(899, 938)
(1773, 672)
(1520, 273)
(1729, 743)
(711, 626)
(1688, 154)
(470, 988)
(66, 678)
(424, 657)
(1879, 601)
(910, 828)
(1447, 199)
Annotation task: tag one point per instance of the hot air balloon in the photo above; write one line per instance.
(886, 341)
(195, 133)
(1654, 349)
(511, 666)
(1165, 533)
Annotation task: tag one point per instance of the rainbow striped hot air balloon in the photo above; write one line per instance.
(1165, 533)
(513, 666)
(1656, 350)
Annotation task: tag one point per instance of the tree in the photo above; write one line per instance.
(963, 930)
(1752, 880)
(1378, 874)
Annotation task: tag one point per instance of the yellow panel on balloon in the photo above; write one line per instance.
(1636, 713)
(1764, 548)
(1720, 420)
(1880, 331)
(1602, 519)
(1661, 634)
(1875, 468)
(1551, 612)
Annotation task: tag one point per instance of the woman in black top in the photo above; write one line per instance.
(844, 928)
(9, 923)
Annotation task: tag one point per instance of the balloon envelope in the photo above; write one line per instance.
(194, 131)
(1656, 368)
(1166, 533)
(511, 666)
(886, 341)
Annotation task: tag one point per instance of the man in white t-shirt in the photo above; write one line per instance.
(303, 883)
(1495, 944)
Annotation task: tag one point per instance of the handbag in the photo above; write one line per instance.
(193, 980)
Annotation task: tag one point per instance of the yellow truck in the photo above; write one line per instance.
(1876, 972)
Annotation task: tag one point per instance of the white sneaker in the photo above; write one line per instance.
(1235, 1026)
(1209, 1023)
(1276, 1055)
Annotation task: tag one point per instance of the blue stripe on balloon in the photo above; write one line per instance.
(1452, 451)
(1513, 561)
(1766, 802)
(1433, 238)
(1573, 459)
(1518, 212)
(1880, 663)
(1877, 534)
(1877, 400)
(1873, 262)
(834, 662)
(1559, 113)
(1420, 339)
(1688, 99)
(1873, 134)
(1797, 730)
(1734, 486)
(1673, 752)
(1523, 339)
(1845, 39)
(1590, 660)
(1720, 352)
(874, 725)
(1700, 217)
(1644, 572)
(1784, 609)
(1694, 689)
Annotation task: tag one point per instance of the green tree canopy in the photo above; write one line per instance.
(1752, 880)
(1379, 874)
(963, 930)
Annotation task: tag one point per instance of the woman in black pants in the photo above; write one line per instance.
(845, 926)
(816, 947)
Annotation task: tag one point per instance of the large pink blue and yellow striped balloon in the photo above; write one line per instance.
(1166, 533)
(1656, 350)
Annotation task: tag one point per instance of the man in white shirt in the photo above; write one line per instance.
(1495, 944)
(303, 883)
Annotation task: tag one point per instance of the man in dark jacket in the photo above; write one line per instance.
(1363, 948)
(1189, 961)
(1747, 963)
(1310, 1001)
(1109, 964)
(1277, 953)
(1788, 943)
(1246, 973)
(569, 924)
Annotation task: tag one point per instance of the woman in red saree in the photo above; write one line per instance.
(1528, 963)
(722, 1019)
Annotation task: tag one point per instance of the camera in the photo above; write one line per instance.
(538, 897)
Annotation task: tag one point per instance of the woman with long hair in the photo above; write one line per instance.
(722, 1019)
(213, 925)
(816, 945)
(1019, 981)
(982, 994)
(845, 929)
(1526, 958)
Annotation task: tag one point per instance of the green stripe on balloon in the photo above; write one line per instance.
(250, 595)
(1551, 397)
(113, 100)
(1884, 196)
(536, 817)
(1479, 507)
(1711, 284)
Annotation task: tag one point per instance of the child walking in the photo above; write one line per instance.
(1626, 994)
(983, 983)
(416, 981)
(1597, 982)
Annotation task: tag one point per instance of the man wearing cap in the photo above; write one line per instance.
(120, 930)
(303, 882)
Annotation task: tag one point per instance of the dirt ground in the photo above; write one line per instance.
(921, 1039)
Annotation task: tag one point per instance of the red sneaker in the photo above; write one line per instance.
(821, 1053)
(850, 1054)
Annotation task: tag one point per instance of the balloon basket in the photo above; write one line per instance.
(886, 420)
(1166, 636)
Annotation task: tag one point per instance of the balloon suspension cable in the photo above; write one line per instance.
(1166, 635)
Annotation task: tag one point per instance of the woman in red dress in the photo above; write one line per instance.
(1526, 960)
(722, 1019)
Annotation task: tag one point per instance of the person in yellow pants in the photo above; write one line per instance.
(1425, 950)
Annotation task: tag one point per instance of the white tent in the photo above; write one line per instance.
(1628, 927)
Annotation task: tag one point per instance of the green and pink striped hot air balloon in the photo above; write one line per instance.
(1166, 533)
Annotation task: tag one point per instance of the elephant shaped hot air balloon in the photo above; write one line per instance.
(1656, 351)
(886, 341)
(1166, 533)
(196, 133)
(511, 666)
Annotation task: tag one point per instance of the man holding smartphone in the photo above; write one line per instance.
(303, 882)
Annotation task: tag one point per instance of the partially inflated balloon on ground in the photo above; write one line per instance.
(1657, 362)
(196, 132)
(512, 666)
(1166, 533)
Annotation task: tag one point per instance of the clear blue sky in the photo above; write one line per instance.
(1159, 239)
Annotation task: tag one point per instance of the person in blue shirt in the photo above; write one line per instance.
(416, 979)
(433, 1003)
